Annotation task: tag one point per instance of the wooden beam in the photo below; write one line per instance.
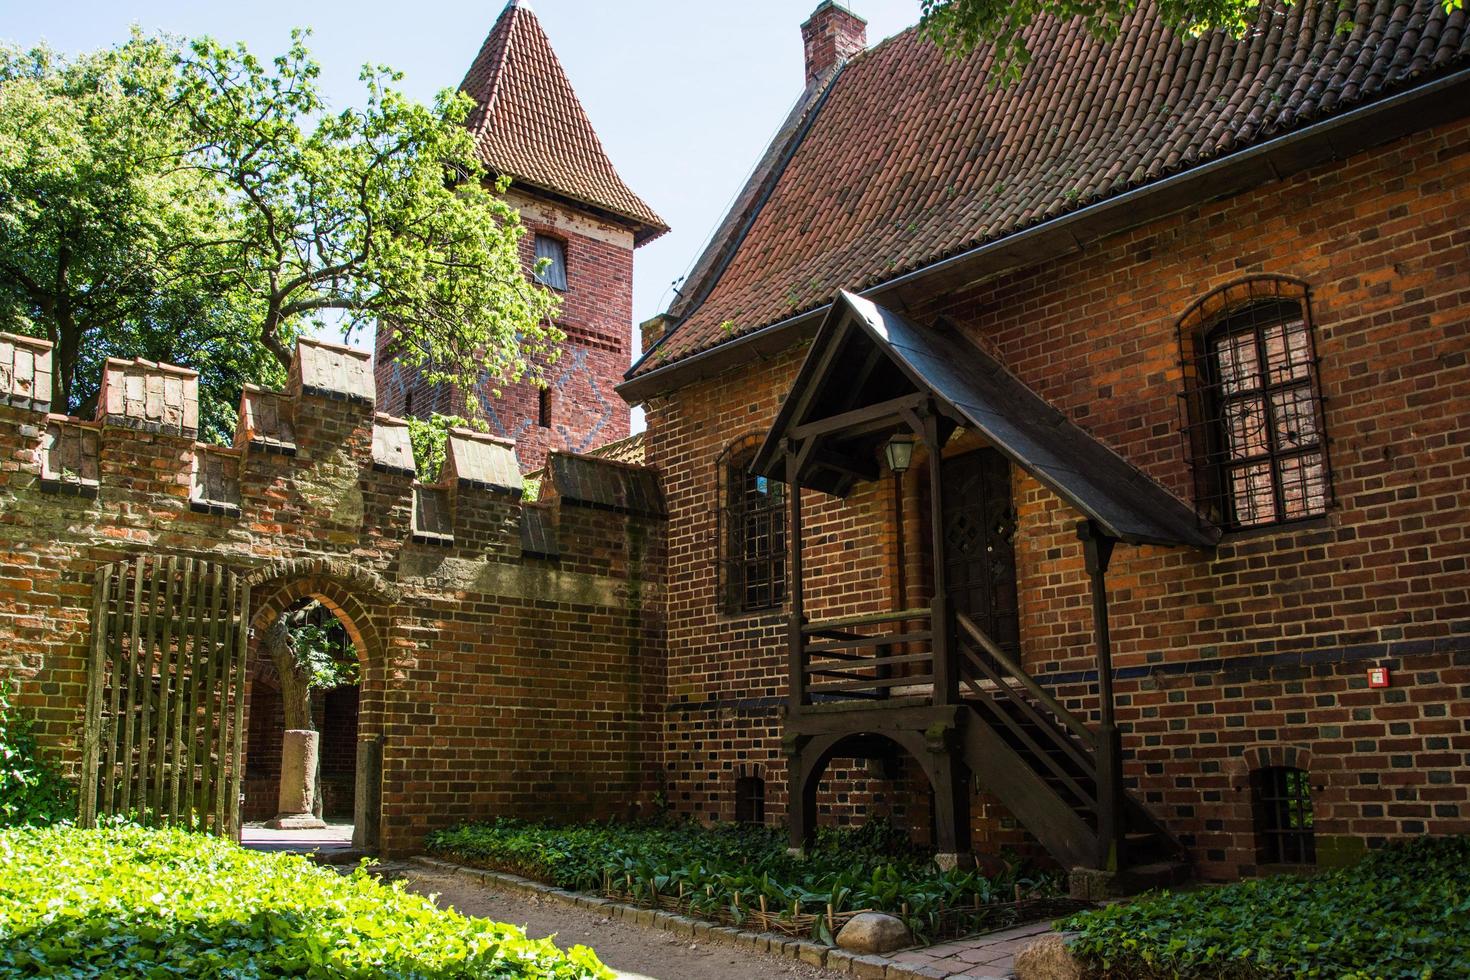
(855, 468)
(946, 677)
(836, 423)
(797, 695)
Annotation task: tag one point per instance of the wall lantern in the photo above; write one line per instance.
(898, 452)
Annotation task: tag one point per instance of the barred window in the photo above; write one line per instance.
(1256, 415)
(555, 273)
(754, 560)
(750, 799)
(1282, 800)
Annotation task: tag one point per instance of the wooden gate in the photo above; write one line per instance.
(166, 694)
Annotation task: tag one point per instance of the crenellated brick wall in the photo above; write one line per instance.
(1255, 652)
(501, 678)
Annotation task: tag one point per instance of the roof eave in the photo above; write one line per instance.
(1336, 137)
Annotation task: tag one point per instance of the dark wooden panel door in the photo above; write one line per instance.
(979, 559)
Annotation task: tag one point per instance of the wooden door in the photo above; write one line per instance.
(166, 694)
(979, 559)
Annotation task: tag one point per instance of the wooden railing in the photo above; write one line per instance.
(1004, 698)
(864, 657)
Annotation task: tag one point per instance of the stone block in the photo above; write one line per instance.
(1047, 958)
(392, 447)
(25, 372)
(870, 967)
(333, 371)
(153, 397)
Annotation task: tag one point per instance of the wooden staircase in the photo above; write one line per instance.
(1042, 762)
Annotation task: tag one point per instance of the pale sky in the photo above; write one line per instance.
(685, 95)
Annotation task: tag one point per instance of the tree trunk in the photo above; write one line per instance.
(300, 745)
(295, 684)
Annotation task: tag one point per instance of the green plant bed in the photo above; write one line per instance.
(736, 873)
(1402, 912)
(127, 901)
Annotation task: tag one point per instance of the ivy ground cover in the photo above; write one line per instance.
(126, 901)
(724, 872)
(1403, 912)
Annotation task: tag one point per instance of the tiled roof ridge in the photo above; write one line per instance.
(529, 123)
(787, 137)
(949, 163)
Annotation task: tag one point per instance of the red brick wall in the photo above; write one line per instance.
(597, 318)
(499, 683)
(1222, 659)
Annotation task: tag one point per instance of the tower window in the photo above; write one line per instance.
(554, 254)
(1282, 800)
(543, 407)
(750, 800)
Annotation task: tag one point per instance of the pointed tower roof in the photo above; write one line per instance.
(529, 124)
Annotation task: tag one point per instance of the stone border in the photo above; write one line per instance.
(811, 953)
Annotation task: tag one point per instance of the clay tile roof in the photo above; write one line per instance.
(530, 125)
(627, 450)
(914, 157)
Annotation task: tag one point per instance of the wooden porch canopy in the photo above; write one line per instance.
(872, 373)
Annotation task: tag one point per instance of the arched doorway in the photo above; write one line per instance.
(357, 604)
(933, 751)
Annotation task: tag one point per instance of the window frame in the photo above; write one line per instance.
(741, 595)
(1280, 794)
(750, 801)
(1251, 306)
(545, 406)
(561, 247)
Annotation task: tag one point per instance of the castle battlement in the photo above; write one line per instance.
(317, 454)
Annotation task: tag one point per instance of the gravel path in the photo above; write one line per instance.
(635, 952)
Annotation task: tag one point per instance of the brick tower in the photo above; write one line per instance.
(530, 126)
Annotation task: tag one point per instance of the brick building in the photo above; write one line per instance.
(1168, 336)
(510, 650)
(530, 126)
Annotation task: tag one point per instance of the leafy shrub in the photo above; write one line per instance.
(872, 867)
(31, 788)
(1402, 912)
(127, 901)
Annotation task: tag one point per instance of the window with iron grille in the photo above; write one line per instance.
(750, 799)
(1282, 800)
(555, 254)
(753, 518)
(1255, 408)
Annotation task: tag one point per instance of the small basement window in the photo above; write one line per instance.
(1282, 800)
(555, 253)
(750, 800)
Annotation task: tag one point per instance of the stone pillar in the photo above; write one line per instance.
(299, 750)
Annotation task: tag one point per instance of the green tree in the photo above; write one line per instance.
(192, 203)
(100, 228)
(960, 26)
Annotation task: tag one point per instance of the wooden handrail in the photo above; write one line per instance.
(1087, 763)
(848, 642)
(1073, 723)
(867, 619)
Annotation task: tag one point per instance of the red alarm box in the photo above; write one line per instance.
(1378, 677)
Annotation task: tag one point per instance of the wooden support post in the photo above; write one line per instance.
(801, 798)
(1097, 549)
(795, 456)
(946, 674)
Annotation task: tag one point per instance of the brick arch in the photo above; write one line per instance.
(1266, 756)
(363, 603)
(1238, 293)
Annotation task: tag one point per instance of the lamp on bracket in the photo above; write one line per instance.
(898, 452)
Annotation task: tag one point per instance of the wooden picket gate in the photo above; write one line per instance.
(166, 694)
